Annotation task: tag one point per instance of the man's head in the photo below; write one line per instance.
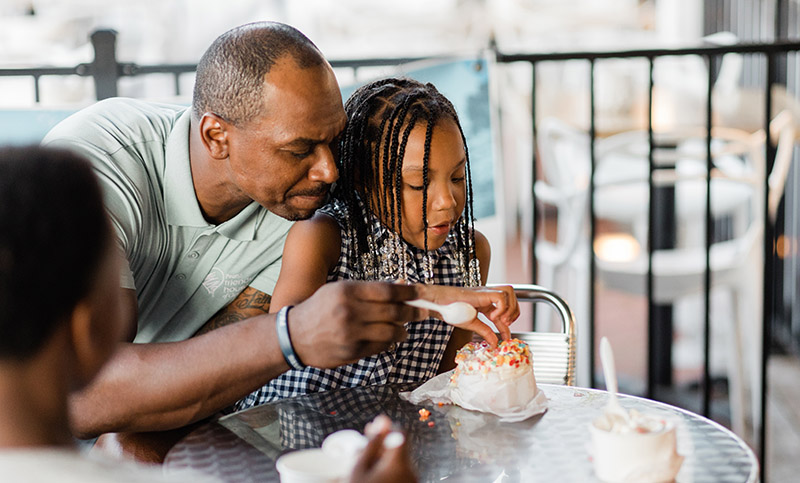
(58, 265)
(268, 109)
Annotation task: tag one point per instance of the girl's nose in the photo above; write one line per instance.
(443, 198)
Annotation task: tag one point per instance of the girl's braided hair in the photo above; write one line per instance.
(381, 116)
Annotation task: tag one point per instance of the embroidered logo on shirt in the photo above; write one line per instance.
(231, 283)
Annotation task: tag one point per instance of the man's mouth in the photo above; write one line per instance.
(317, 194)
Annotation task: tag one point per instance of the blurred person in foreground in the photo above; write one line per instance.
(61, 314)
(61, 318)
(200, 199)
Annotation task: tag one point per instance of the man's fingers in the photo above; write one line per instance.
(383, 332)
(381, 291)
(370, 348)
(370, 311)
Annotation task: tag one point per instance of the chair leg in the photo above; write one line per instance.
(736, 370)
(579, 287)
(750, 307)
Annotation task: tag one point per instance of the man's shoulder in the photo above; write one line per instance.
(116, 122)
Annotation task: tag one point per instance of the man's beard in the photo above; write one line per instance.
(299, 215)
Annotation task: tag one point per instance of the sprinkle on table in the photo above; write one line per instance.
(424, 414)
(332, 413)
(431, 424)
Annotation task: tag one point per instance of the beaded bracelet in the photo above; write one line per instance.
(285, 342)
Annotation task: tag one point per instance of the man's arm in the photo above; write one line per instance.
(249, 303)
(152, 446)
(162, 386)
(151, 387)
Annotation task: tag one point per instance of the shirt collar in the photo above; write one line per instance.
(180, 199)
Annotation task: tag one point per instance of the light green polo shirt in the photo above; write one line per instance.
(183, 268)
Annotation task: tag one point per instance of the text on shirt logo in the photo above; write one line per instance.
(231, 283)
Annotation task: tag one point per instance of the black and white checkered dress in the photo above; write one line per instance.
(414, 360)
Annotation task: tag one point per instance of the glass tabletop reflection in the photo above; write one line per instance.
(453, 444)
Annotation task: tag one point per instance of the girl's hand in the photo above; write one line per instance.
(499, 304)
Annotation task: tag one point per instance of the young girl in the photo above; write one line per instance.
(401, 210)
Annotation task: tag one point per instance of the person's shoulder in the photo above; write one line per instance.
(67, 465)
(483, 249)
(336, 210)
(117, 121)
(320, 234)
(321, 225)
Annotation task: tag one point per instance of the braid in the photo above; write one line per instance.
(471, 248)
(425, 161)
(468, 246)
(399, 148)
(398, 182)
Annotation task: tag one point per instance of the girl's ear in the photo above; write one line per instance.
(214, 135)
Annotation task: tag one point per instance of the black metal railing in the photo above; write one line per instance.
(106, 71)
(657, 336)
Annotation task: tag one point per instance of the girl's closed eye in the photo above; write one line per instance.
(460, 173)
(413, 180)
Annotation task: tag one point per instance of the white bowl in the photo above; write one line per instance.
(311, 466)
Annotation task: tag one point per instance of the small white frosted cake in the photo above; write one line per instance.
(493, 378)
(642, 449)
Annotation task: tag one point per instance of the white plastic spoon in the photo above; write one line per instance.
(607, 358)
(457, 313)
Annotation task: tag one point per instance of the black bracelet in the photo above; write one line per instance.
(282, 327)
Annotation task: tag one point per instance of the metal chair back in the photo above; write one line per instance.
(553, 353)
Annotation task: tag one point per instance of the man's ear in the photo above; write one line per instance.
(214, 134)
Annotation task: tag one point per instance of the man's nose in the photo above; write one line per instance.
(324, 169)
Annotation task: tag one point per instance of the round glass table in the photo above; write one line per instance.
(454, 444)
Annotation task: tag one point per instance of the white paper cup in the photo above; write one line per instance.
(633, 456)
(311, 466)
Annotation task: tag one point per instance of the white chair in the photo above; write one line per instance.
(621, 195)
(563, 265)
(737, 182)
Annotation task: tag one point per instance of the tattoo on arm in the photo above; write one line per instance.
(249, 303)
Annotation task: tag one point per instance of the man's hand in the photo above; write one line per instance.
(345, 321)
(499, 304)
(147, 447)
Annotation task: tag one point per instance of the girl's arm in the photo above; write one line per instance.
(460, 336)
(484, 253)
(310, 253)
